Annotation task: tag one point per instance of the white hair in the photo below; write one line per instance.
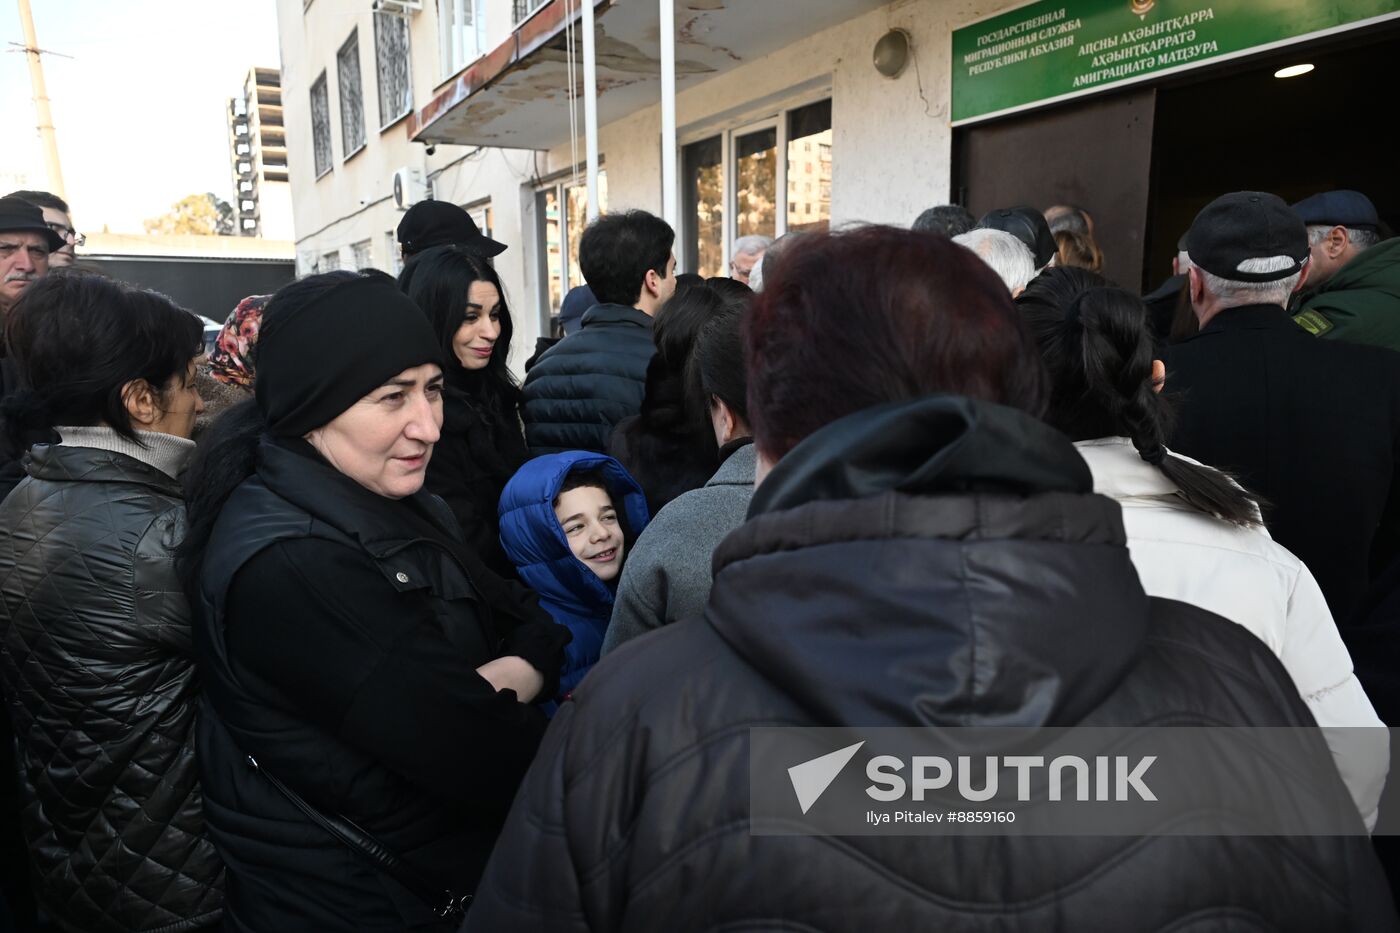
(1007, 256)
(756, 278)
(1359, 239)
(1231, 293)
(750, 245)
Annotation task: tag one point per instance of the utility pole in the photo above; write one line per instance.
(41, 101)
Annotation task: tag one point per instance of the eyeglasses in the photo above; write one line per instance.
(70, 236)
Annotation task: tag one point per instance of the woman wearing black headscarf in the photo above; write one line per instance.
(482, 443)
(366, 717)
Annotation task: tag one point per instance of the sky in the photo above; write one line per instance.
(139, 109)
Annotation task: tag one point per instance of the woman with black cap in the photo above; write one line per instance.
(366, 717)
(483, 440)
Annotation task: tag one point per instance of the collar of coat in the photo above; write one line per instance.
(935, 562)
(61, 463)
(1250, 317)
(616, 314)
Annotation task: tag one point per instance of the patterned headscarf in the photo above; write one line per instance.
(232, 359)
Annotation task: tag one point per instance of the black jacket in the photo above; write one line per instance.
(586, 383)
(479, 451)
(98, 666)
(937, 562)
(340, 633)
(1313, 426)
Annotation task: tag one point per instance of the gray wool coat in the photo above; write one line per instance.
(667, 576)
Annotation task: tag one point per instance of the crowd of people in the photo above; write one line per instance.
(343, 626)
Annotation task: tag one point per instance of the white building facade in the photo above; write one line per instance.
(783, 119)
(783, 123)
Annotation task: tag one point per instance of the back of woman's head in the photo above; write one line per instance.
(716, 368)
(731, 291)
(1097, 348)
(79, 339)
(679, 320)
(1078, 250)
(439, 281)
(878, 314)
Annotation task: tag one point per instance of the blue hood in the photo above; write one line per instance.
(534, 542)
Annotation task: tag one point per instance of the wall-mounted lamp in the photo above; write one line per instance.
(1293, 71)
(892, 53)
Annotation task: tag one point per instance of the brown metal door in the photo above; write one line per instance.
(1095, 153)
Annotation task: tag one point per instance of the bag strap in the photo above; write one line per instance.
(443, 902)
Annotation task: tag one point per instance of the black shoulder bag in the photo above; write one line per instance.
(443, 901)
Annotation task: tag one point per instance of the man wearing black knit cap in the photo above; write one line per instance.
(440, 223)
(1312, 426)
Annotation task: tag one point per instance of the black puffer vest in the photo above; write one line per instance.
(273, 851)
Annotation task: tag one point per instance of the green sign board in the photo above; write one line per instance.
(1062, 48)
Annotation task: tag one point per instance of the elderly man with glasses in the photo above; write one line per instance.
(59, 219)
(26, 243)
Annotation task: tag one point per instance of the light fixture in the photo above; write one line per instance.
(892, 53)
(1293, 71)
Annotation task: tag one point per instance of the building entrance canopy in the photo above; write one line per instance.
(516, 96)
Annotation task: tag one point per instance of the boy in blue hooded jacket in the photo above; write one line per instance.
(567, 522)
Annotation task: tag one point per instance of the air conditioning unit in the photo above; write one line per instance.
(410, 187)
(397, 7)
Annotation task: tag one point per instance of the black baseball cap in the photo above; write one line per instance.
(18, 214)
(1338, 209)
(1246, 225)
(1027, 225)
(439, 223)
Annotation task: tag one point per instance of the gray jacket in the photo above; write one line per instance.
(667, 575)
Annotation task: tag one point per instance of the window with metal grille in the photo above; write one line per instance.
(521, 9)
(360, 255)
(321, 125)
(391, 64)
(352, 105)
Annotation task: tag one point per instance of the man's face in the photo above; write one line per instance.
(61, 224)
(24, 257)
(741, 266)
(668, 284)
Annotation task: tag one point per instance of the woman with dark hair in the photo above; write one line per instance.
(922, 552)
(482, 443)
(368, 682)
(668, 577)
(95, 640)
(668, 447)
(1194, 534)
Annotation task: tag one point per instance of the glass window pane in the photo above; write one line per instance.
(756, 174)
(576, 197)
(352, 111)
(703, 171)
(809, 168)
(550, 216)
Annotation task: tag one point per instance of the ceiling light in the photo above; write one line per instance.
(1293, 71)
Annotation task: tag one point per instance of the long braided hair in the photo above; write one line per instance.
(1098, 350)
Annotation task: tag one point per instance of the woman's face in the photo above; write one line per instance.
(476, 338)
(384, 441)
(590, 523)
(178, 406)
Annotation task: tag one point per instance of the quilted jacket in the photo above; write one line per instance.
(586, 383)
(932, 563)
(96, 659)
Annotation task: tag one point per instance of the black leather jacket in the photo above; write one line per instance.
(98, 667)
(937, 562)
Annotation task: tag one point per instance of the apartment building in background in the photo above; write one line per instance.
(262, 197)
(790, 114)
